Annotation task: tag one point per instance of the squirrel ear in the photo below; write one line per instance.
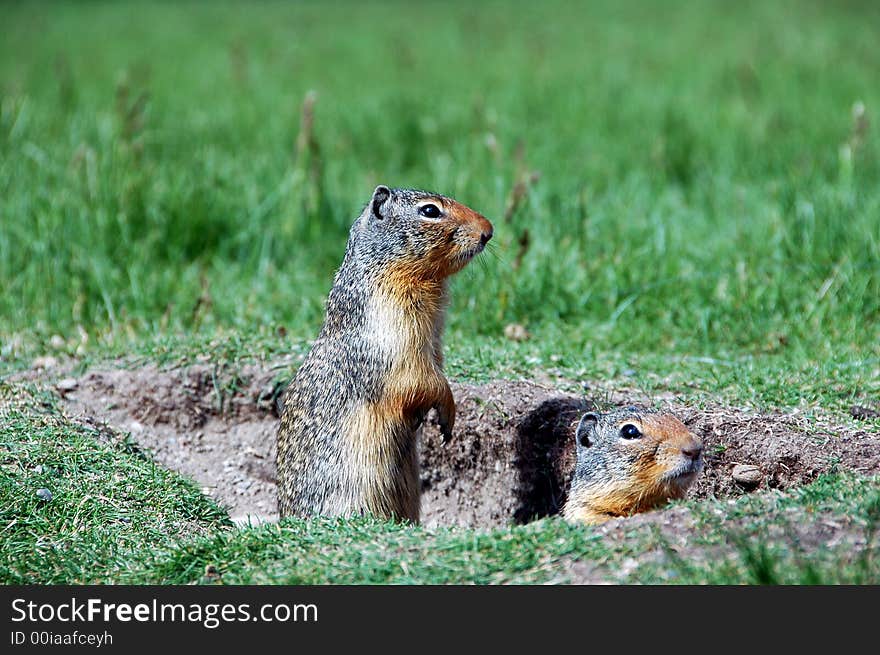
(585, 428)
(380, 196)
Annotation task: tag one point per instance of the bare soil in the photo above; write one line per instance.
(509, 461)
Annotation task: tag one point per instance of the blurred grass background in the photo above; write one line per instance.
(664, 177)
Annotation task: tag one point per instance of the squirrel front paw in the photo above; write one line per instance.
(445, 431)
(446, 413)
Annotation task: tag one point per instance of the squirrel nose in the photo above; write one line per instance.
(693, 451)
(485, 236)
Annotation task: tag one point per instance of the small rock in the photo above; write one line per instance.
(266, 393)
(747, 475)
(44, 494)
(45, 362)
(863, 413)
(11, 346)
(66, 385)
(135, 427)
(57, 342)
(516, 332)
(628, 565)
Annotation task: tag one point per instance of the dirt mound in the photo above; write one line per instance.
(788, 449)
(214, 428)
(509, 462)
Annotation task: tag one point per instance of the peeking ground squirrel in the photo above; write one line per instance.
(628, 461)
(347, 443)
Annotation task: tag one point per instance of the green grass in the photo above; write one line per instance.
(763, 380)
(107, 504)
(695, 193)
(703, 216)
(727, 547)
(775, 539)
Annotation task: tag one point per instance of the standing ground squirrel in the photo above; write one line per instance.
(628, 461)
(347, 443)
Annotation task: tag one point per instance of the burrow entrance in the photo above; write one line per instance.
(509, 462)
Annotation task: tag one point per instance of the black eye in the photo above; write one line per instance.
(629, 431)
(429, 211)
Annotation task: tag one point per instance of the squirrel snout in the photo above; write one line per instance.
(474, 224)
(692, 451)
(486, 230)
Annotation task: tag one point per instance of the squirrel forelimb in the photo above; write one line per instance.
(446, 413)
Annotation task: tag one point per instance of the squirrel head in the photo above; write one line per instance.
(635, 456)
(418, 235)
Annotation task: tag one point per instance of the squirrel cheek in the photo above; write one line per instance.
(670, 457)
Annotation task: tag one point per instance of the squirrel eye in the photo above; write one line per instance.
(629, 431)
(429, 211)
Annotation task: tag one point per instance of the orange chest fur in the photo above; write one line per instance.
(412, 387)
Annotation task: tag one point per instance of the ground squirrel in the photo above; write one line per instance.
(628, 461)
(347, 443)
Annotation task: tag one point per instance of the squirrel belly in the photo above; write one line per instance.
(382, 434)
